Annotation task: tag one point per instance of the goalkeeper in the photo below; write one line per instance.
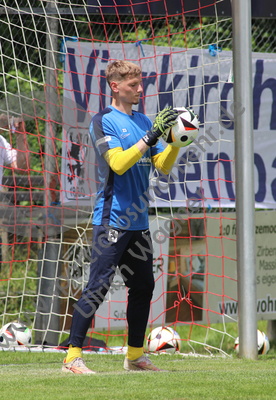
(126, 143)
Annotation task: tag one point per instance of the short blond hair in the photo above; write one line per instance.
(120, 70)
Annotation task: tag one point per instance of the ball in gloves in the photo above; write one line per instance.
(185, 131)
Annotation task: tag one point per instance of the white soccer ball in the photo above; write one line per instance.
(15, 334)
(163, 340)
(263, 343)
(185, 131)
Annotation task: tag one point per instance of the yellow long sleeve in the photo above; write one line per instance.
(121, 160)
(165, 160)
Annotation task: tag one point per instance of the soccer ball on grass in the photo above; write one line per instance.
(15, 334)
(163, 340)
(185, 131)
(263, 343)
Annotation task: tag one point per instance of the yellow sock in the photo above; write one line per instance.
(134, 352)
(73, 353)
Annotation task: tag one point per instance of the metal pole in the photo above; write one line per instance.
(48, 305)
(47, 317)
(245, 193)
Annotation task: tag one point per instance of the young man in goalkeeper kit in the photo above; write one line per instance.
(126, 143)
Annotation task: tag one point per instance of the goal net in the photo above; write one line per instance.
(53, 56)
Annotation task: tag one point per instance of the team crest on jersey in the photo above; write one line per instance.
(113, 236)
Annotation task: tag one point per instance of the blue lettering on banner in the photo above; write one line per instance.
(261, 193)
(259, 87)
(102, 96)
(184, 177)
(87, 78)
(207, 85)
(83, 102)
(192, 82)
(211, 164)
(227, 123)
(147, 80)
(273, 183)
(166, 93)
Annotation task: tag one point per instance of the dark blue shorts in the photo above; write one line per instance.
(131, 251)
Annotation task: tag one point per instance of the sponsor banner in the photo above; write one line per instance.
(195, 272)
(172, 77)
(220, 286)
(202, 280)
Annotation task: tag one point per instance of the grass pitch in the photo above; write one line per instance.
(37, 376)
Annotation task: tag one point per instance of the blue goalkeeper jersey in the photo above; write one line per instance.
(122, 200)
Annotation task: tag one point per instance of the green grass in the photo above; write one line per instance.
(38, 376)
(218, 336)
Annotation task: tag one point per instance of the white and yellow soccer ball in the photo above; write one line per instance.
(163, 340)
(15, 334)
(185, 131)
(263, 343)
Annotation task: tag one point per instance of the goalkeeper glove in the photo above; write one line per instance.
(163, 121)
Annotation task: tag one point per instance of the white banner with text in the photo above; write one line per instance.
(172, 77)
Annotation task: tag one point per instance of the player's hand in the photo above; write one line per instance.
(163, 121)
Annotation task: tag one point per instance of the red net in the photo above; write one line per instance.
(55, 79)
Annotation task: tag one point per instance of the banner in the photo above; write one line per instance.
(221, 289)
(195, 274)
(202, 280)
(172, 77)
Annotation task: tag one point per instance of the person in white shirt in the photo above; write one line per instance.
(18, 158)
